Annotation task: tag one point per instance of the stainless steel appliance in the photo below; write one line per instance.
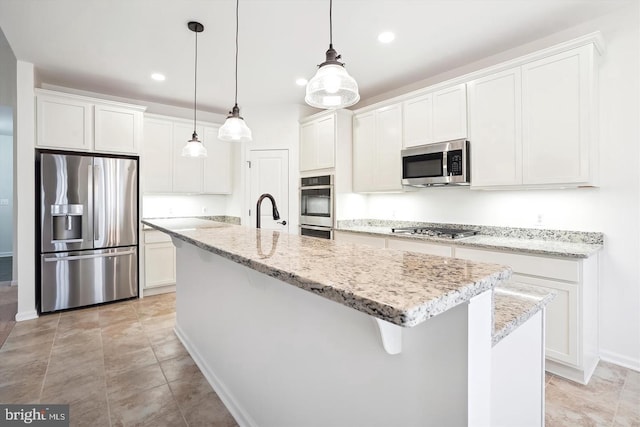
(316, 206)
(88, 210)
(436, 164)
(445, 233)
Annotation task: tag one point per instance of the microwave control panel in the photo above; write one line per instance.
(454, 162)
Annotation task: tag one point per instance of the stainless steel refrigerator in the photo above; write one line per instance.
(88, 229)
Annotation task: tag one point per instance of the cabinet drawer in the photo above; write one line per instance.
(422, 247)
(154, 236)
(554, 268)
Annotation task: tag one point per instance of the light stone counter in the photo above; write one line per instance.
(560, 243)
(403, 288)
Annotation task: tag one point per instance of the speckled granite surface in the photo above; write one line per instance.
(218, 218)
(403, 288)
(569, 244)
(514, 304)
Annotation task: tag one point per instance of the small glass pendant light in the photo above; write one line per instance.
(235, 128)
(332, 87)
(194, 147)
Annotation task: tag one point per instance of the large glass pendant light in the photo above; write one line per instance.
(234, 128)
(332, 87)
(194, 147)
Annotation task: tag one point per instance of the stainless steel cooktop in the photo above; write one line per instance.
(445, 233)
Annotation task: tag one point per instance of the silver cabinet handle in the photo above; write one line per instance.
(76, 257)
(96, 212)
(68, 222)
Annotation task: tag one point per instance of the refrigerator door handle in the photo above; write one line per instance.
(96, 212)
(90, 200)
(76, 257)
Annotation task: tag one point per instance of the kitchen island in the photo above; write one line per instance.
(363, 337)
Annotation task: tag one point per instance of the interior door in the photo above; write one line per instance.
(269, 173)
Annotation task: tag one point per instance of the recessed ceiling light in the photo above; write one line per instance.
(386, 37)
(158, 77)
(301, 82)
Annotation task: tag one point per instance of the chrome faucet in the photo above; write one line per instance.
(276, 214)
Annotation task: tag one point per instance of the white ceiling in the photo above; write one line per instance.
(113, 46)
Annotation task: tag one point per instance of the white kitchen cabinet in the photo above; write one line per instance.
(156, 164)
(217, 166)
(63, 122)
(117, 129)
(377, 142)
(159, 260)
(164, 170)
(317, 143)
(532, 126)
(495, 129)
(422, 247)
(572, 317)
(417, 121)
(73, 122)
(558, 115)
(450, 113)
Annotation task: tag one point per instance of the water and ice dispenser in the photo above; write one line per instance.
(66, 223)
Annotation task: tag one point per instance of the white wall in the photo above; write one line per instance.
(613, 208)
(6, 193)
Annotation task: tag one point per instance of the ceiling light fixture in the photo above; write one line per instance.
(332, 87)
(386, 37)
(158, 77)
(234, 128)
(194, 147)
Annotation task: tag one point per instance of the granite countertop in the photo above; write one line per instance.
(403, 288)
(197, 219)
(514, 304)
(569, 244)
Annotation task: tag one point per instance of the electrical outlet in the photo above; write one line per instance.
(170, 211)
(204, 210)
(539, 220)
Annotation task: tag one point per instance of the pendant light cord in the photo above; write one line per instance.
(237, 7)
(330, 24)
(195, 85)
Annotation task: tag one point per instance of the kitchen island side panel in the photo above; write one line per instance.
(281, 356)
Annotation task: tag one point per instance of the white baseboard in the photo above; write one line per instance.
(14, 283)
(147, 292)
(242, 418)
(619, 359)
(26, 315)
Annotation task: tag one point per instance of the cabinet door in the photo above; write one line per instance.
(64, 123)
(159, 264)
(187, 171)
(556, 108)
(364, 140)
(450, 113)
(422, 247)
(387, 167)
(117, 129)
(308, 146)
(218, 164)
(156, 162)
(495, 129)
(326, 143)
(360, 239)
(561, 342)
(417, 121)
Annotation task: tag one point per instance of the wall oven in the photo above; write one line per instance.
(436, 164)
(316, 206)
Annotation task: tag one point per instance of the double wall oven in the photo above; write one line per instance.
(316, 206)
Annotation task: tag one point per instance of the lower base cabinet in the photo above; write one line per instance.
(159, 262)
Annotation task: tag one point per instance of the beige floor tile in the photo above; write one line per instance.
(92, 412)
(147, 312)
(632, 382)
(115, 313)
(72, 386)
(78, 350)
(22, 393)
(181, 367)
(154, 407)
(33, 337)
(25, 354)
(82, 319)
(200, 405)
(121, 362)
(169, 348)
(122, 329)
(628, 413)
(73, 365)
(28, 372)
(161, 322)
(47, 321)
(566, 404)
(129, 383)
(190, 392)
(87, 337)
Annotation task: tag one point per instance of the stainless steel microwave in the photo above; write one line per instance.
(440, 163)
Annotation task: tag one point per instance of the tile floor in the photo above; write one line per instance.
(121, 365)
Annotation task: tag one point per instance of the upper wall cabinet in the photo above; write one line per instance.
(321, 138)
(73, 122)
(164, 170)
(533, 125)
(377, 142)
(435, 117)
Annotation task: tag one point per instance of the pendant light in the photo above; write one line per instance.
(235, 128)
(194, 147)
(332, 87)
